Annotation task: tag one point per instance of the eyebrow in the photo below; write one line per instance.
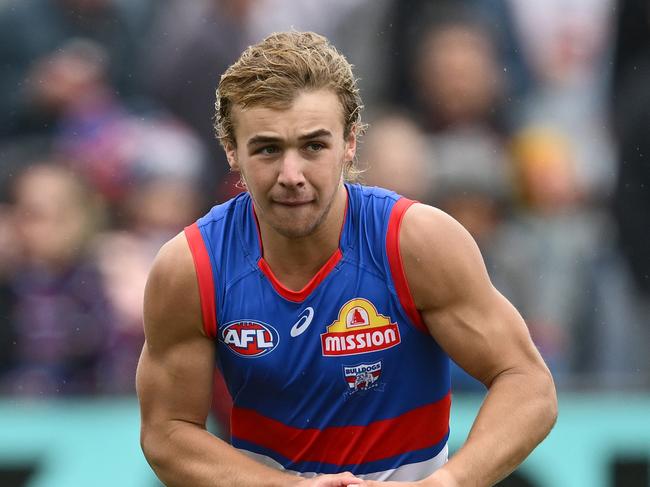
(261, 139)
(315, 134)
(268, 139)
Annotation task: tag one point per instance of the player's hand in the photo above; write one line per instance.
(344, 479)
(440, 478)
(375, 483)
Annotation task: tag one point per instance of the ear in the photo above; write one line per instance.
(231, 155)
(351, 144)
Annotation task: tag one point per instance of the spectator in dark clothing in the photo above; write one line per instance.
(630, 91)
(631, 114)
(632, 196)
(59, 316)
(31, 32)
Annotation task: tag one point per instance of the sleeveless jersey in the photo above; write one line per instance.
(341, 375)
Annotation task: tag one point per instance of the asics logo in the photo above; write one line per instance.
(303, 322)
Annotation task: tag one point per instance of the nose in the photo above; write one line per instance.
(291, 170)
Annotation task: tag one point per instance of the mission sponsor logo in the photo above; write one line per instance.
(363, 377)
(249, 338)
(359, 329)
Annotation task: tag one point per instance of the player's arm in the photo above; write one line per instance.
(487, 337)
(174, 383)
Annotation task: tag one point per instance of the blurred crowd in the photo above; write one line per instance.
(529, 122)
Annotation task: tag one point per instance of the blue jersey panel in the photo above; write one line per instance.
(346, 355)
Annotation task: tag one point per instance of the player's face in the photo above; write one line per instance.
(292, 160)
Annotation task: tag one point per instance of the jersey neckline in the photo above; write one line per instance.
(321, 274)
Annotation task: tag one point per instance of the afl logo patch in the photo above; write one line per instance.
(249, 338)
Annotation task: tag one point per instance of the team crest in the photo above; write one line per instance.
(359, 329)
(249, 338)
(363, 377)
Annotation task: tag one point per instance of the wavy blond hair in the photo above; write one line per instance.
(273, 72)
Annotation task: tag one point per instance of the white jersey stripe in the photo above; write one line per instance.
(408, 472)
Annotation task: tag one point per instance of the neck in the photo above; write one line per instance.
(295, 261)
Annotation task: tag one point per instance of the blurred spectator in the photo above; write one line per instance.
(161, 198)
(15, 156)
(60, 318)
(146, 168)
(461, 90)
(473, 183)
(566, 43)
(631, 115)
(118, 153)
(545, 168)
(124, 263)
(190, 46)
(100, 138)
(458, 81)
(155, 211)
(566, 271)
(563, 40)
(398, 157)
(384, 46)
(87, 113)
(34, 71)
(631, 112)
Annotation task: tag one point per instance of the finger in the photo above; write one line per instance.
(352, 481)
(349, 479)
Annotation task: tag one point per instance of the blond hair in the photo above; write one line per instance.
(273, 72)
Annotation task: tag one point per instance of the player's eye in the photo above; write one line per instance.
(315, 147)
(268, 150)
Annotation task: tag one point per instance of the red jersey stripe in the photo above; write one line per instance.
(395, 262)
(204, 277)
(299, 296)
(419, 428)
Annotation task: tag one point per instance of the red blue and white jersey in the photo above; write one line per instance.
(341, 375)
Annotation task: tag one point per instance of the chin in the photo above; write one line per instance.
(297, 230)
(298, 226)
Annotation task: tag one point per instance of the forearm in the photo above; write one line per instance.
(184, 454)
(517, 414)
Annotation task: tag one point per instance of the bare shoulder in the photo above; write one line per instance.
(172, 305)
(440, 257)
(174, 378)
(476, 325)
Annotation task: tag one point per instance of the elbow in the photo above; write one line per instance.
(549, 403)
(152, 448)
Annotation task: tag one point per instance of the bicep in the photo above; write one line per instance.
(476, 325)
(485, 336)
(175, 383)
(175, 372)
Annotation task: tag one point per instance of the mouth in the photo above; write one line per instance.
(292, 202)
